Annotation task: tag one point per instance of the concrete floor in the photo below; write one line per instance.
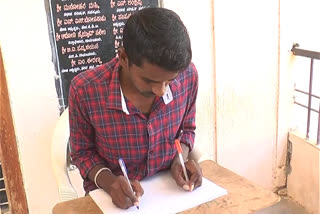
(285, 206)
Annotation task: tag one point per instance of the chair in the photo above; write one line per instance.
(59, 146)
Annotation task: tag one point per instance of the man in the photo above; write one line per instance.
(134, 107)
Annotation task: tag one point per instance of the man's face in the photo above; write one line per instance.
(150, 80)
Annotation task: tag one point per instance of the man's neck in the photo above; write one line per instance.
(143, 103)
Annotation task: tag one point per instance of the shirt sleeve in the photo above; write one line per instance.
(83, 150)
(189, 122)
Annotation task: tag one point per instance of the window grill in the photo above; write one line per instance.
(4, 205)
(312, 55)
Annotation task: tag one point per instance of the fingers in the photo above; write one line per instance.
(199, 181)
(121, 201)
(195, 181)
(137, 188)
(122, 195)
(178, 176)
(128, 192)
(196, 174)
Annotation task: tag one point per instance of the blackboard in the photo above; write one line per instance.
(85, 34)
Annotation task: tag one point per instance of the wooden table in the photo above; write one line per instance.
(243, 196)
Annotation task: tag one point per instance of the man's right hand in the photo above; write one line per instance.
(121, 194)
(118, 188)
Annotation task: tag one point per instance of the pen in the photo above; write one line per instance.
(181, 159)
(124, 171)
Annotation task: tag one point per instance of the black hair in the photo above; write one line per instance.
(158, 36)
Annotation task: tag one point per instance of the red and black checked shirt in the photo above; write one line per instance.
(101, 131)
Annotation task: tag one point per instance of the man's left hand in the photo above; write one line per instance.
(194, 173)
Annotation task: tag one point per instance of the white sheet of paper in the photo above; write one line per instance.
(162, 195)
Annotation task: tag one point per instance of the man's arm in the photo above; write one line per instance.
(83, 151)
(189, 120)
(187, 142)
(90, 163)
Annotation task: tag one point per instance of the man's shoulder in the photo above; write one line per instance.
(97, 75)
(190, 73)
(192, 69)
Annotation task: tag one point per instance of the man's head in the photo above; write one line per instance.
(158, 36)
(156, 47)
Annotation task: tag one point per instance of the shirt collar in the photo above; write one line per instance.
(123, 103)
(167, 98)
(113, 99)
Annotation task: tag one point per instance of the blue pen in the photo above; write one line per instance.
(124, 171)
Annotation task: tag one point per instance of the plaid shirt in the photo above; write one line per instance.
(105, 126)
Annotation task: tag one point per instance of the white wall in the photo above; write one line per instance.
(304, 177)
(27, 56)
(246, 35)
(299, 21)
(199, 22)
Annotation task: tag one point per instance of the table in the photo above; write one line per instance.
(243, 196)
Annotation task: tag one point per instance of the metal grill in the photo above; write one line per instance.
(4, 205)
(312, 55)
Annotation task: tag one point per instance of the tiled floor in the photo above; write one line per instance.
(285, 206)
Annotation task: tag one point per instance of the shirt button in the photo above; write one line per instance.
(151, 152)
(149, 122)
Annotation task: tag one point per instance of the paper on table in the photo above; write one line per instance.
(162, 195)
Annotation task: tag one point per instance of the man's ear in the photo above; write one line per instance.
(123, 57)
